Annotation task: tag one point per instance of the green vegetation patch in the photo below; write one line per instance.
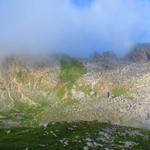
(61, 93)
(118, 92)
(71, 102)
(129, 97)
(75, 136)
(71, 69)
(86, 89)
(23, 114)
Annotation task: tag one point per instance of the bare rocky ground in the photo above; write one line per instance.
(131, 107)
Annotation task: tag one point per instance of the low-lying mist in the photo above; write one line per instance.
(72, 27)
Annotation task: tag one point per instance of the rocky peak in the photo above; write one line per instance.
(140, 53)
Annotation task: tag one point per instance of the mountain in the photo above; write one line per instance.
(140, 53)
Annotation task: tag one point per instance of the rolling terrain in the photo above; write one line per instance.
(72, 92)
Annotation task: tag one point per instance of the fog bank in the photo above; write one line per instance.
(71, 26)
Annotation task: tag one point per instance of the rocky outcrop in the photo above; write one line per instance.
(140, 53)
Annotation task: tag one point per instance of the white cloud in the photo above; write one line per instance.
(61, 26)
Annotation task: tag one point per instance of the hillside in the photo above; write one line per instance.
(33, 95)
(75, 136)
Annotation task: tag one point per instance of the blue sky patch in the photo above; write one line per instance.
(82, 3)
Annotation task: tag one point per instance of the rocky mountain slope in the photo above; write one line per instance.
(58, 101)
(67, 89)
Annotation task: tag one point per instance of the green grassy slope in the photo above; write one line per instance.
(74, 136)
